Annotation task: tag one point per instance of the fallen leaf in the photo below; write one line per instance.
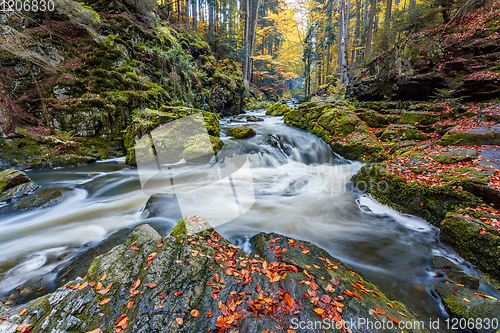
(195, 313)
(319, 311)
(104, 301)
(22, 313)
(151, 285)
(129, 305)
(23, 328)
(85, 284)
(377, 310)
(393, 319)
(179, 321)
(102, 277)
(97, 330)
(137, 283)
(330, 288)
(466, 300)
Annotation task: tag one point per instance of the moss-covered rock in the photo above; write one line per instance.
(278, 109)
(338, 126)
(468, 305)
(37, 201)
(485, 135)
(482, 249)
(454, 155)
(241, 132)
(195, 278)
(421, 118)
(429, 203)
(18, 191)
(373, 118)
(396, 133)
(147, 120)
(11, 178)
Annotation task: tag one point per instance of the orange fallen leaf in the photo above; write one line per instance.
(137, 283)
(23, 328)
(104, 301)
(134, 248)
(393, 319)
(195, 313)
(97, 330)
(151, 285)
(377, 310)
(390, 305)
(466, 300)
(319, 311)
(129, 305)
(102, 277)
(22, 313)
(85, 284)
(179, 321)
(179, 293)
(92, 283)
(99, 286)
(330, 288)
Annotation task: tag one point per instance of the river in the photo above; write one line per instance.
(300, 191)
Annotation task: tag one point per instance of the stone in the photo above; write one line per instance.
(278, 109)
(18, 191)
(161, 279)
(485, 135)
(241, 132)
(32, 202)
(10, 178)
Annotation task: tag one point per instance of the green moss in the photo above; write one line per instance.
(179, 229)
(278, 109)
(241, 132)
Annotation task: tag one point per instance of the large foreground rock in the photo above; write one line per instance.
(195, 280)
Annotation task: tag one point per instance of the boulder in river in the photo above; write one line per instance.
(278, 109)
(14, 183)
(241, 132)
(194, 280)
(36, 201)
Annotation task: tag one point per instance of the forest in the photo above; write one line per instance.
(249, 166)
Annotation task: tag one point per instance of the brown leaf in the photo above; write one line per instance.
(121, 320)
(179, 293)
(330, 288)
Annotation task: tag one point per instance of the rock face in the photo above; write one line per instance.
(241, 132)
(32, 202)
(196, 280)
(486, 135)
(462, 62)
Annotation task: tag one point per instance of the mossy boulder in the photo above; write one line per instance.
(148, 120)
(420, 118)
(18, 191)
(340, 127)
(37, 201)
(195, 279)
(278, 109)
(396, 133)
(485, 135)
(454, 155)
(429, 203)
(468, 305)
(241, 132)
(482, 249)
(373, 118)
(11, 178)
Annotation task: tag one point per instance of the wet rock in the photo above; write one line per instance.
(454, 272)
(11, 178)
(148, 120)
(373, 118)
(468, 305)
(482, 249)
(253, 119)
(241, 132)
(196, 279)
(32, 202)
(18, 191)
(338, 126)
(278, 109)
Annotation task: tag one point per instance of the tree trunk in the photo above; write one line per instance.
(211, 20)
(387, 24)
(370, 30)
(195, 15)
(356, 33)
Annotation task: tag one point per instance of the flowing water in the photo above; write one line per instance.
(300, 191)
